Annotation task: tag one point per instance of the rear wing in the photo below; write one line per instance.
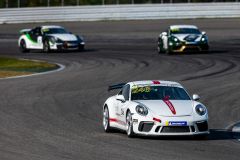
(116, 86)
(25, 31)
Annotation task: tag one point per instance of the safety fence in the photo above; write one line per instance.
(120, 12)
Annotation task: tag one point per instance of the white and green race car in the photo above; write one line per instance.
(49, 38)
(181, 38)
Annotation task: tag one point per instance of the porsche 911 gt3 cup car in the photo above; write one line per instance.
(49, 38)
(181, 38)
(155, 108)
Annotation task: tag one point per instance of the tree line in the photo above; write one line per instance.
(44, 3)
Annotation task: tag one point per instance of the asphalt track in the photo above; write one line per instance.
(59, 115)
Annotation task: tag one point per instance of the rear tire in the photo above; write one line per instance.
(106, 120)
(46, 46)
(129, 125)
(23, 46)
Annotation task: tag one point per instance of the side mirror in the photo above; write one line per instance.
(196, 97)
(164, 33)
(70, 32)
(204, 33)
(120, 98)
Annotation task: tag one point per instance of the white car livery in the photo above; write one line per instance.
(49, 38)
(182, 38)
(155, 108)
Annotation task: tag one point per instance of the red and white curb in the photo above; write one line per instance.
(61, 67)
(236, 131)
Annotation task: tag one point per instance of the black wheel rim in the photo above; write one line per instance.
(46, 46)
(23, 45)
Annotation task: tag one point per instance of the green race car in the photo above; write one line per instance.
(182, 38)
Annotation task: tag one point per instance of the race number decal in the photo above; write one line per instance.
(141, 89)
(175, 30)
(45, 30)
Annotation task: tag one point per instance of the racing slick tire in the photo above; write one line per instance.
(129, 125)
(46, 46)
(200, 137)
(159, 48)
(23, 47)
(168, 52)
(106, 119)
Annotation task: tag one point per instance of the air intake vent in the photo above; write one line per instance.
(193, 128)
(175, 129)
(157, 129)
(145, 126)
(202, 126)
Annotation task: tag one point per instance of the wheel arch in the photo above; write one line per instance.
(110, 104)
(24, 38)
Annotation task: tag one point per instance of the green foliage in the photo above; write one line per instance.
(44, 3)
(14, 63)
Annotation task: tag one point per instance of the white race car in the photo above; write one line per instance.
(49, 38)
(182, 38)
(155, 108)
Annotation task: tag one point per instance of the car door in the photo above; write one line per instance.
(165, 40)
(122, 106)
(39, 38)
(36, 38)
(33, 39)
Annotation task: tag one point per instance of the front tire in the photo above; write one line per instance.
(46, 46)
(23, 46)
(106, 120)
(159, 47)
(129, 125)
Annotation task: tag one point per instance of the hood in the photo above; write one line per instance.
(65, 37)
(188, 37)
(159, 107)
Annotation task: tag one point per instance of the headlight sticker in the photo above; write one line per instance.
(45, 30)
(176, 123)
(175, 29)
(135, 121)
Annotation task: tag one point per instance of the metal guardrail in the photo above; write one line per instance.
(120, 12)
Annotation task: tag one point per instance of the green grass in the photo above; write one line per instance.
(14, 63)
(14, 67)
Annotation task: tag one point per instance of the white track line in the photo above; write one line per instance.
(60, 65)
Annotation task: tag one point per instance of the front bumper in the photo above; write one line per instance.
(178, 47)
(69, 45)
(149, 127)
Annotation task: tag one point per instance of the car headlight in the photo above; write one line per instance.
(142, 110)
(200, 109)
(54, 39)
(174, 39)
(204, 38)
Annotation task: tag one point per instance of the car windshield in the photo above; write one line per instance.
(54, 31)
(159, 93)
(185, 31)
